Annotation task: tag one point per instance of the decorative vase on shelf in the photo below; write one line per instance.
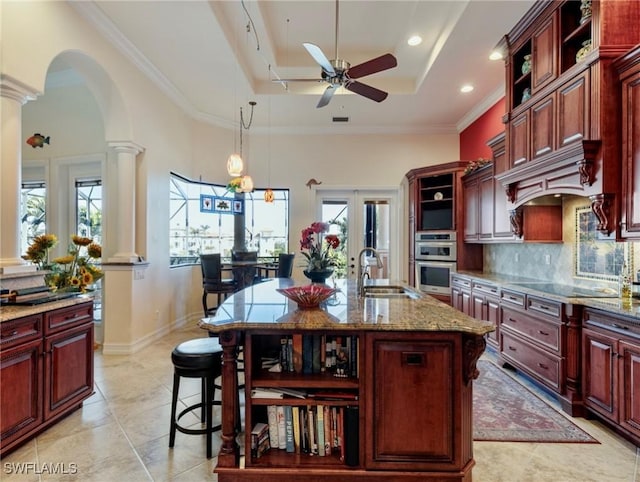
(526, 95)
(582, 53)
(318, 276)
(526, 65)
(585, 8)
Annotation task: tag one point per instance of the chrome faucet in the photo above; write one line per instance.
(362, 272)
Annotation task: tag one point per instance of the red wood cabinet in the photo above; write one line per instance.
(611, 370)
(46, 370)
(629, 68)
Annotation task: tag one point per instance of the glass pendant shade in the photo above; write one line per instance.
(268, 196)
(234, 165)
(246, 184)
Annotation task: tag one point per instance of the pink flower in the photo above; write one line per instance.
(318, 252)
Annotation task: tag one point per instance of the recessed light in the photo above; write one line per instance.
(495, 55)
(466, 88)
(414, 40)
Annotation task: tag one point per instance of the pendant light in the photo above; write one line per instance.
(268, 194)
(246, 183)
(235, 165)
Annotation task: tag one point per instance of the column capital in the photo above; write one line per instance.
(126, 146)
(16, 90)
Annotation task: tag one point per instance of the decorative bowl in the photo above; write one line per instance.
(309, 296)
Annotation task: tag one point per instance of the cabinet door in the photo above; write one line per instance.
(631, 156)
(456, 298)
(485, 215)
(630, 386)
(68, 368)
(600, 373)
(470, 197)
(573, 110)
(544, 58)
(501, 222)
(21, 405)
(542, 127)
(478, 306)
(466, 306)
(492, 309)
(416, 378)
(519, 139)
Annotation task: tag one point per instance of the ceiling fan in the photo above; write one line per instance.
(339, 73)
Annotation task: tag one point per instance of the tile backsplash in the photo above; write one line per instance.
(557, 261)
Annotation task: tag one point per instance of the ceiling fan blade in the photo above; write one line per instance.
(384, 62)
(326, 96)
(320, 57)
(366, 91)
(296, 80)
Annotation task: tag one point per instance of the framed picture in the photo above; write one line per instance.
(238, 206)
(598, 257)
(222, 205)
(206, 203)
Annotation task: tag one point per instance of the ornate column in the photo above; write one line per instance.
(126, 152)
(13, 95)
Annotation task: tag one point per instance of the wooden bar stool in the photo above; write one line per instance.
(198, 358)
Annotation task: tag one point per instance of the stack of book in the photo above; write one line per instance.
(312, 354)
(260, 441)
(320, 430)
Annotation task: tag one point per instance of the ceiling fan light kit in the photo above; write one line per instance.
(339, 73)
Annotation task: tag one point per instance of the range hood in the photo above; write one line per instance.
(576, 169)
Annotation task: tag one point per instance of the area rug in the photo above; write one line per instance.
(506, 411)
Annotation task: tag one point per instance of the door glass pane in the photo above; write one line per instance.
(89, 209)
(336, 214)
(32, 213)
(376, 235)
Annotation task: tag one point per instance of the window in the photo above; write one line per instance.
(194, 230)
(32, 212)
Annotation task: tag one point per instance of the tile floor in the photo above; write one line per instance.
(122, 434)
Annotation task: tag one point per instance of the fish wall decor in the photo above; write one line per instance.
(38, 140)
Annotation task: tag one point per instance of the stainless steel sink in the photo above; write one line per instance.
(389, 292)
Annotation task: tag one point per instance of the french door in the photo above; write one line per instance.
(363, 218)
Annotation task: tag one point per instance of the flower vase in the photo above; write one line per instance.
(318, 275)
(526, 64)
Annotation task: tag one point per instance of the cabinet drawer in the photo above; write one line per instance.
(542, 332)
(553, 309)
(21, 330)
(487, 288)
(63, 318)
(512, 297)
(542, 366)
(459, 281)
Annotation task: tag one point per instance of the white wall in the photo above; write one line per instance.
(33, 33)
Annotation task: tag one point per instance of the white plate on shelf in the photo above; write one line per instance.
(438, 196)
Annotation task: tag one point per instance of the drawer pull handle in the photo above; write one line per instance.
(413, 359)
(7, 335)
(512, 320)
(513, 298)
(622, 327)
(512, 348)
(543, 333)
(542, 365)
(544, 307)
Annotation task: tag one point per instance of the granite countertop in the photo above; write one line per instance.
(611, 304)
(261, 306)
(11, 312)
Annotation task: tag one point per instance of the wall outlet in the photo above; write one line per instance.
(517, 257)
(547, 259)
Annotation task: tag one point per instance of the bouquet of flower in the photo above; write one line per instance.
(318, 249)
(72, 272)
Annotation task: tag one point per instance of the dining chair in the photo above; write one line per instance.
(245, 275)
(285, 265)
(212, 282)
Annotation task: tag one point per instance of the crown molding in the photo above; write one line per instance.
(480, 109)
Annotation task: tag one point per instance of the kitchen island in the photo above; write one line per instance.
(400, 406)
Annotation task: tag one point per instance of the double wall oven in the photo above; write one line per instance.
(435, 260)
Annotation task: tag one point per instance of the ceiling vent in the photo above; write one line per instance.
(340, 119)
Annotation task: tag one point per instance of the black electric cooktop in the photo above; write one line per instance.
(569, 291)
